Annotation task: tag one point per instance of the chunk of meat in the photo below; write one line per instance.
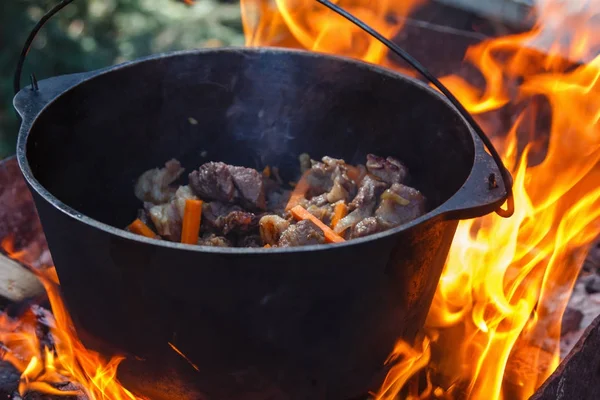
(400, 204)
(167, 221)
(318, 179)
(223, 218)
(363, 204)
(229, 184)
(213, 181)
(366, 227)
(210, 239)
(250, 187)
(154, 185)
(303, 233)
(329, 182)
(240, 222)
(271, 228)
(388, 169)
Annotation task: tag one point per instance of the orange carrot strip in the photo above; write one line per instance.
(298, 192)
(340, 211)
(140, 228)
(267, 246)
(330, 236)
(191, 221)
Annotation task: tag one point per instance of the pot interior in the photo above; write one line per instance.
(251, 107)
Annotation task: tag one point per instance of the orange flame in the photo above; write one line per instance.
(44, 368)
(497, 311)
(308, 25)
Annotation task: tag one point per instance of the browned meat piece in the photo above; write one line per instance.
(212, 211)
(368, 193)
(250, 241)
(250, 187)
(301, 234)
(271, 228)
(318, 179)
(363, 204)
(239, 222)
(167, 221)
(229, 184)
(388, 170)
(153, 185)
(213, 181)
(329, 182)
(210, 239)
(318, 201)
(366, 227)
(400, 204)
(224, 218)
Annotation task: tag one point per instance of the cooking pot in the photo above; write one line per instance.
(196, 322)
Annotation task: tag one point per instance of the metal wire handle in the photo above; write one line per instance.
(506, 177)
(30, 38)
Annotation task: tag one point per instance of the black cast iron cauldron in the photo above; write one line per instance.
(315, 322)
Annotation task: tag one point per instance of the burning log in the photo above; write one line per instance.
(16, 281)
(10, 378)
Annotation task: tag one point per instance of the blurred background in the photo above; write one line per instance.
(90, 34)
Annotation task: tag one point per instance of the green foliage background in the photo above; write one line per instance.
(90, 34)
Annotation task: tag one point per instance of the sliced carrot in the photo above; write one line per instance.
(191, 221)
(299, 192)
(267, 246)
(140, 228)
(330, 236)
(339, 211)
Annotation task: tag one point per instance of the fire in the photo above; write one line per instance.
(47, 367)
(308, 25)
(507, 281)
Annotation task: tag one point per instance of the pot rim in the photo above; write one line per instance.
(29, 121)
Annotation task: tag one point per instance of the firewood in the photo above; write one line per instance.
(16, 281)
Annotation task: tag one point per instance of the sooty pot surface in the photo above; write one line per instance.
(296, 323)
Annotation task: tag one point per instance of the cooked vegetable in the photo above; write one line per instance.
(140, 228)
(330, 236)
(340, 211)
(191, 221)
